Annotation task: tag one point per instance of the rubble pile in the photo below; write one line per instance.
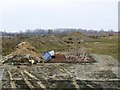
(78, 55)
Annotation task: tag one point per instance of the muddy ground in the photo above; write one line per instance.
(102, 74)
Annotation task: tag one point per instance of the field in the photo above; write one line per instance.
(104, 45)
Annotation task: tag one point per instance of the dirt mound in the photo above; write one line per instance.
(24, 51)
(25, 48)
(25, 45)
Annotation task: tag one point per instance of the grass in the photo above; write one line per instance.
(106, 46)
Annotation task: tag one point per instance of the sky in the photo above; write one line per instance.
(20, 15)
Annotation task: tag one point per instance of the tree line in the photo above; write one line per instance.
(59, 31)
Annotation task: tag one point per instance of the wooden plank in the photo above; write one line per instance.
(12, 83)
(89, 85)
(63, 69)
(32, 76)
(73, 80)
(1, 74)
(75, 84)
(26, 81)
(29, 74)
(98, 79)
(41, 85)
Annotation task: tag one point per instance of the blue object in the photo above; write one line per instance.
(46, 56)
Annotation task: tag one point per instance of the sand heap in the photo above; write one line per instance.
(25, 48)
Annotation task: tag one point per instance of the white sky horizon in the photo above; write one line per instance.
(16, 15)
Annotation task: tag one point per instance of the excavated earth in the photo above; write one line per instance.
(102, 74)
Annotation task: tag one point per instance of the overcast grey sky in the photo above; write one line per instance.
(16, 15)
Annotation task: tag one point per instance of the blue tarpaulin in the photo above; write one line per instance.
(46, 56)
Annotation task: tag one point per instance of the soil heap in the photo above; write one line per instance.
(24, 51)
(25, 48)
